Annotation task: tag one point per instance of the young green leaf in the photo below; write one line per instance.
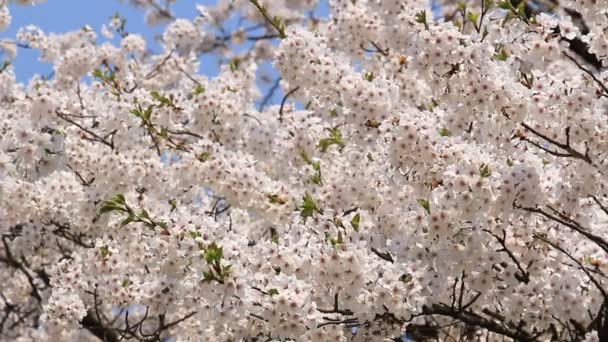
(308, 207)
(274, 235)
(104, 251)
(203, 156)
(484, 171)
(335, 138)
(425, 204)
(421, 19)
(234, 63)
(354, 222)
(501, 55)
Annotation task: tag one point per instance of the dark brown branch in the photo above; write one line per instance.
(603, 207)
(185, 132)
(157, 68)
(574, 226)
(572, 153)
(383, 255)
(285, 100)
(164, 12)
(269, 94)
(95, 136)
(94, 326)
(507, 329)
(578, 263)
(10, 260)
(169, 325)
(590, 73)
(336, 308)
(522, 275)
(378, 49)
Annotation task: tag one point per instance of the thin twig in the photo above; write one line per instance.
(285, 100)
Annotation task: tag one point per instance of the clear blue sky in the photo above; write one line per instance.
(66, 15)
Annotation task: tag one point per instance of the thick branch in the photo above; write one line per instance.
(570, 224)
(94, 326)
(468, 317)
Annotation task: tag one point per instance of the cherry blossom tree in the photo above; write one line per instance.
(440, 173)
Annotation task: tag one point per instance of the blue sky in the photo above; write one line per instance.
(66, 15)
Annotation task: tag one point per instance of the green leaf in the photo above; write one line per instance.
(173, 204)
(406, 278)
(308, 207)
(274, 235)
(141, 113)
(273, 291)
(275, 21)
(137, 112)
(208, 276)
(324, 144)
(198, 90)
(203, 157)
(335, 242)
(421, 19)
(338, 223)
(116, 203)
(4, 66)
(144, 213)
(213, 253)
(444, 132)
(126, 283)
(355, 222)
(369, 76)
(461, 6)
(164, 101)
(164, 133)
(226, 270)
(126, 221)
(501, 55)
(104, 251)
(484, 171)
(97, 73)
(109, 207)
(234, 63)
(305, 156)
(425, 204)
(335, 138)
(333, 113)
(509, 162)
(521, 9)
(147, 114)
(316, 179)
(473, 17)
(506, 5)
